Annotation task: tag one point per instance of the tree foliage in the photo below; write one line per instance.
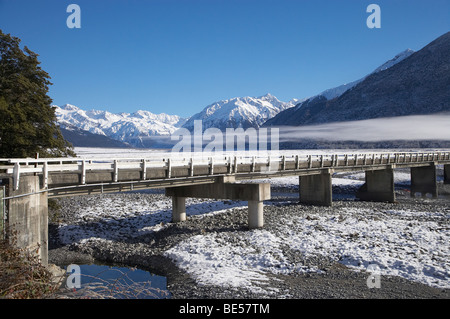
(27, 119)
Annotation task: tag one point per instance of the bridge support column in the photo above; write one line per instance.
(255, 194)
(447, 174)
(423, 180)
(316, 189)
(379, 186)
(255, 214)
(28, 216)
(178, 209)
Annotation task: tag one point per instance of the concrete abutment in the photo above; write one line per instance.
(28, 216)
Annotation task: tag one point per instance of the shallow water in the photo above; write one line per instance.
(104, 281)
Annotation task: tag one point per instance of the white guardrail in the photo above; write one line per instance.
(16, 167)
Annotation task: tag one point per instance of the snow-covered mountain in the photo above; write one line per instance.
(145, 129)
(133, 128)
(413, 83)
(341, 89)
(239, 112)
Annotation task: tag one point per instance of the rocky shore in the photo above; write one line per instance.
(302, 252)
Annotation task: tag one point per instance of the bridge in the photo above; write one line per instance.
(28, 183)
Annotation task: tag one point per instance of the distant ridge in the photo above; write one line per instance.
(82, 138)
(418, 84)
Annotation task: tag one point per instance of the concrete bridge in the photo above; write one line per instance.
(28, 183)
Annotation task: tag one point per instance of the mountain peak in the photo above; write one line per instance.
(239, 112)
(69, 107)
(267, 96)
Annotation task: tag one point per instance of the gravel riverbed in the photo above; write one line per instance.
(302, 252)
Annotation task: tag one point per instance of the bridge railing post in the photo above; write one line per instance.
(191, 169)
(2, 213)
(144, 169)
(116, 171)
(16, 176)
(169, 169)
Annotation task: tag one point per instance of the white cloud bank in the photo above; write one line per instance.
(414, 127)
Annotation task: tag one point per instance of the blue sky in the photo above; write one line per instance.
(178, 56)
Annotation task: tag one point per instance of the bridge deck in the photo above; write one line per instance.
(76, 176)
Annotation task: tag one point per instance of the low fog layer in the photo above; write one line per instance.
(415, 127)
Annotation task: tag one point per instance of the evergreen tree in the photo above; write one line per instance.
(27, 119)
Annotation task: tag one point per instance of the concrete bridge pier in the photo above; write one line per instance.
(225, 188)
(316, 189)
(178, 209)
(255, 214)
(379, 186)
(28, 216)
(423, 180)
(447, 174)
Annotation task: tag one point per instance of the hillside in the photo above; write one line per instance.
(419, 84)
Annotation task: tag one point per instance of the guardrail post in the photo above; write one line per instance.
(16, 176)
(2, 212)
(211, 168)
(169, 169)
(144, 169)
(45, 174)
(116, 171)
(83, 172)
(191, 170)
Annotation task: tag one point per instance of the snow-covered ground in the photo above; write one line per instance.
(393, 240)
(401, 242)
(414, 250)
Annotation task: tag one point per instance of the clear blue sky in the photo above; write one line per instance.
(178, 56)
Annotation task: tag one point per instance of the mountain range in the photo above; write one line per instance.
(410, 83)
(416, 84)
(133, 129)
(145, 129)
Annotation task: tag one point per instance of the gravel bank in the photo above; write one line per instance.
(302, 252)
